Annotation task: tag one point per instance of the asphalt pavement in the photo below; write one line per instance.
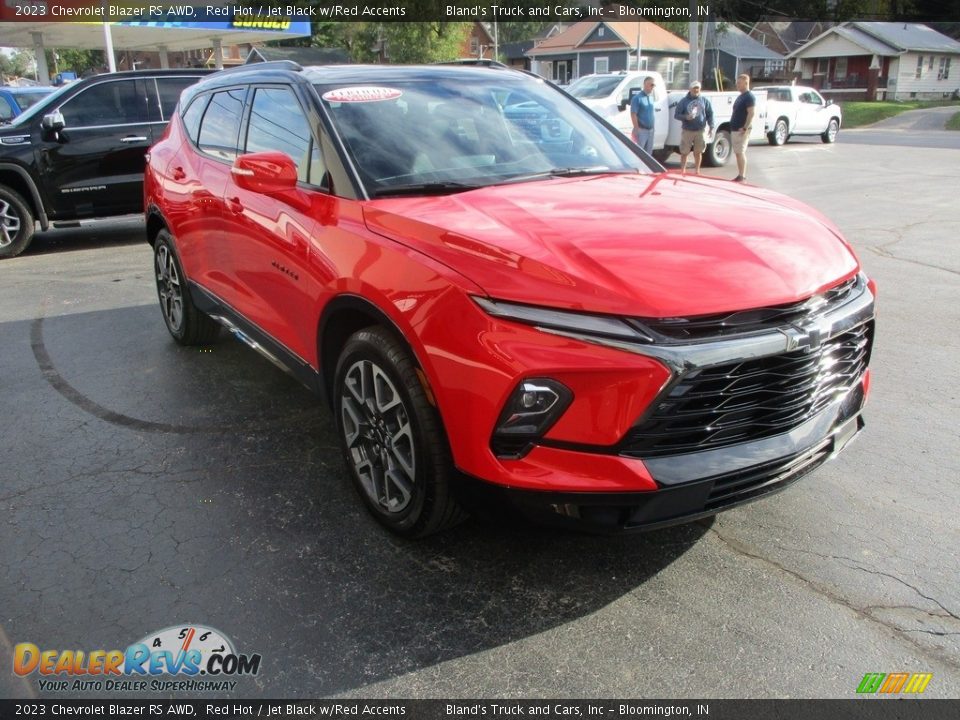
(144, 485)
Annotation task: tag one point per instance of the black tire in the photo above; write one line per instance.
(186, 323)
(662, 155)
(780, 133)
(719, 151)
(403, 477)
(17, 223)
(830, 134)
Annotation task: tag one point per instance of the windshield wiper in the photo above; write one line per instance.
(432, 188)
(568, 172)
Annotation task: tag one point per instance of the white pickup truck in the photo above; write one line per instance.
(609, 94)
(796, 110)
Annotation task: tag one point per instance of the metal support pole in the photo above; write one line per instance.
(218, 53)
(164, 58)
(43, 73)
(108, 41)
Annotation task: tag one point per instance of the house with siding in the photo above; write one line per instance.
(601, 46)
(878, 60)
(733, 52)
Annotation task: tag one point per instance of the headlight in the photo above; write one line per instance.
(596, 325)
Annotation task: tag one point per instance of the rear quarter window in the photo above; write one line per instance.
(220, 126)
(192, 115)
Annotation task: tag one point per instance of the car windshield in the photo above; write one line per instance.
(593, 87)
(37, 108)
(29, 98)
(448, 135)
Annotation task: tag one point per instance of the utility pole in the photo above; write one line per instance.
(694, 34)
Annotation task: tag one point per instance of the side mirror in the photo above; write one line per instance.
(623, 105)
(829, 102)
(265, 172)
(53, 122)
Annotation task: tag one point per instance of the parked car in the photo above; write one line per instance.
(541, 320)
(15, 100)
(78, 153)
(797, 110)
(609, 94)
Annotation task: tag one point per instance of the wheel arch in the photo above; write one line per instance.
(342, 317)
(155, 222)
(19, 180)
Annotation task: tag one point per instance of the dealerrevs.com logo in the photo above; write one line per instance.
(186, 658)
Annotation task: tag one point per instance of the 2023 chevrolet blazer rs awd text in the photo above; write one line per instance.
(505, 301)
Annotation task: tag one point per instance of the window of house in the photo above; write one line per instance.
(601, 65)
(671, 68)
(474, 45)
(643, 63)
(221, 124)
(686, 68)
(822, 65)
(109, 103)
(919, 67)
(930, 66)
(944, 72)
(600, 31)
(840, 69)
(277, 123)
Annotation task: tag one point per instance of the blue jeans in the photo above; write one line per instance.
(644, 138)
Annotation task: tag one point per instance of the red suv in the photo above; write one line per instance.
(502, 299)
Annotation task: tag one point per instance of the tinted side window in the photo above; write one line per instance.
(168, 90)
(191, 117)
(6, 112)
(109, 103)
(221, 124)
(277, 123)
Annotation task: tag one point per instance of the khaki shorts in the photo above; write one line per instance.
(692, 139)
(740, 138)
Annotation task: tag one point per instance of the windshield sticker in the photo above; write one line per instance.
(361, 94)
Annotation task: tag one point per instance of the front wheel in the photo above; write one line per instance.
(830, 134)
(16, 223)
(718, 152)
(392, 437)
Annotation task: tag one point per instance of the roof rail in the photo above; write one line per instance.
(270, 65)
(478, 62)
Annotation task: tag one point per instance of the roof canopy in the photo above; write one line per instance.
(150, 35)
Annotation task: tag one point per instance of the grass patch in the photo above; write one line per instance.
(856, 114)
(954, 122)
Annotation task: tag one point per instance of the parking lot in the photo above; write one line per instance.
(144, 485)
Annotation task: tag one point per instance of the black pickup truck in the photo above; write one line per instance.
(79, 153)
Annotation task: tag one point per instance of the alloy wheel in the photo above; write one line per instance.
(9, 224)
(169, 289)
(378, 435)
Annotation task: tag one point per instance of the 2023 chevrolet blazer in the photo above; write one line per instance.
(501, 297)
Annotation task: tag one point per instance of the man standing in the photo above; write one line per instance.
(641, 114)
(696, 114)
(740, 123)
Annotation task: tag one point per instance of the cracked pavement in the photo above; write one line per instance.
(145, 485)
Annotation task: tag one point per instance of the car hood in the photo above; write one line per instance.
(645, 245)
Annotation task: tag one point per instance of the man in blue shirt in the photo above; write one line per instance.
(641, 115)
(696, 115)
(741, 121)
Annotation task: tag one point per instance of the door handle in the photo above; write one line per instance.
(133, 138)
(235, 205)
(178, 173)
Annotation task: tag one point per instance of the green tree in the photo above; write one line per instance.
(78, 61)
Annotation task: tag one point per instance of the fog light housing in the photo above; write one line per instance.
(530, 411)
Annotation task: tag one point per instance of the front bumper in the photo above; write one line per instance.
(691, 486)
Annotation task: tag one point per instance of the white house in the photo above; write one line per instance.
(880, 60)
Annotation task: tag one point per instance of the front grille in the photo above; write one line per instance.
(750, 400)
(758, 480)
(705, 327)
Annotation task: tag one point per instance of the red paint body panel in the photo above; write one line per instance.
(642, 245)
